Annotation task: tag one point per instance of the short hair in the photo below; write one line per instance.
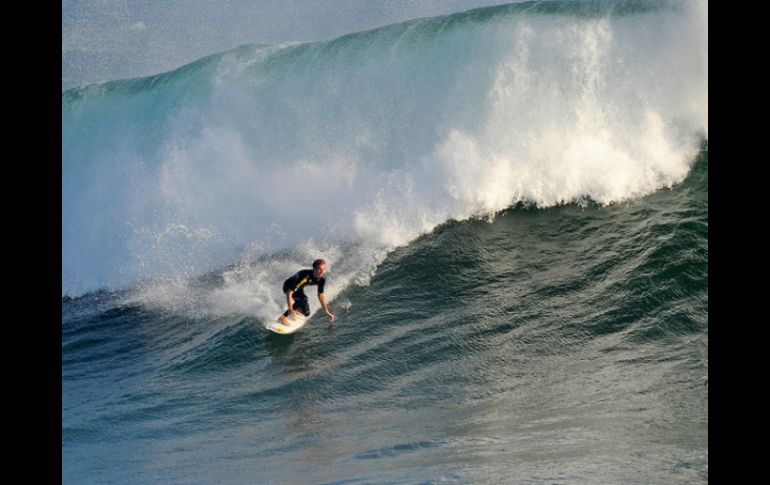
(318, 262)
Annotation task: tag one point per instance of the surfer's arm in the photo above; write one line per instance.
(322, 299)
(290, 301)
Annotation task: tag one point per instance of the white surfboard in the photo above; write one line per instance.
(296, 322)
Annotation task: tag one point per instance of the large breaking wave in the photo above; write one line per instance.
(203, 188)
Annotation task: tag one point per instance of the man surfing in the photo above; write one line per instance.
(294, 287)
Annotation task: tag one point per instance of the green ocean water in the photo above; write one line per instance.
(565, 345)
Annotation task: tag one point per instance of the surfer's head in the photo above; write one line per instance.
(319, 268)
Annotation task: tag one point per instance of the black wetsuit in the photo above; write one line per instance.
(297, 284)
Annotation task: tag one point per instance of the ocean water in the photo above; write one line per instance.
(513, 202)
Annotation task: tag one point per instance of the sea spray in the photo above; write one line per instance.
(203, 188)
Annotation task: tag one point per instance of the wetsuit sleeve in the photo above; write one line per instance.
(291, 283)
(321, 284)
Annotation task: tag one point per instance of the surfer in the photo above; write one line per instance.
(293, 287)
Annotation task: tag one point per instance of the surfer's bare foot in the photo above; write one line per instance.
(284, 321)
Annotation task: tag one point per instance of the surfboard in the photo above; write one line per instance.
(297, 322)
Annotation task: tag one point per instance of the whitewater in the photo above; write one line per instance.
(369, 140)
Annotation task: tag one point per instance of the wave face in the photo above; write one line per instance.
(203, 188)
(565, 345)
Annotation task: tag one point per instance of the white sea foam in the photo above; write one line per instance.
(261, 160)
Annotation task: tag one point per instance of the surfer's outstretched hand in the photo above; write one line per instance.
(330, 315)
